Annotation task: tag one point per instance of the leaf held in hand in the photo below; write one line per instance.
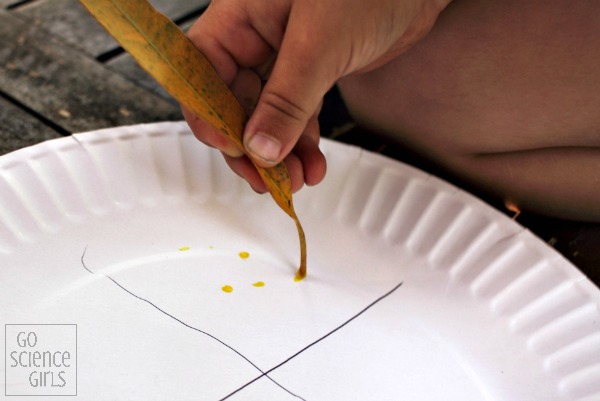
(163, 50)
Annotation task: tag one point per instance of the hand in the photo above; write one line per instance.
(300, 48)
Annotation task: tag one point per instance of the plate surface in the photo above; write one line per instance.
(415, 289)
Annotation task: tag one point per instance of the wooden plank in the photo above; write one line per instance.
(19, 128)
(68, 88)
(69, 20)
(125, 65)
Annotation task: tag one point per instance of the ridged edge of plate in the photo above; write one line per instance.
(65, 181)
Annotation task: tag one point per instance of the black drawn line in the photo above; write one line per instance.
(381, 298)
(263, 373)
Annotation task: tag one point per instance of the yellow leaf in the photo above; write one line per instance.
(163, 50)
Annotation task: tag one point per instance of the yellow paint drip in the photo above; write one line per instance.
(227, 288)
(244, 255)
(184, 248)
(259, 284)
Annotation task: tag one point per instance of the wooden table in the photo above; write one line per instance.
(60, 73)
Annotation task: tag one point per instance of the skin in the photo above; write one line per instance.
(250, 41)
(504, 94)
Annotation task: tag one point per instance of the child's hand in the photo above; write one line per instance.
(300, 48)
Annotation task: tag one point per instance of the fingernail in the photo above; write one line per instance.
(264, 147)
(232, 152)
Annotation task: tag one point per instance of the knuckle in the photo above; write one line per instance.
(284, 105)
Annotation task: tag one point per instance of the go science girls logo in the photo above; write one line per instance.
(41, 359)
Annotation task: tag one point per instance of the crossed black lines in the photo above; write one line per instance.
(263, 373)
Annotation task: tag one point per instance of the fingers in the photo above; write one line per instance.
(314, 165)
(227, 39)
(303, 72)
(306, 163)
(244, 167)
(283, 123)
(246, 87)
(209, 135)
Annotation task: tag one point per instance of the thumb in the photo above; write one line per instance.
(291, 97)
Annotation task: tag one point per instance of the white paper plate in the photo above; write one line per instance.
(485, 311)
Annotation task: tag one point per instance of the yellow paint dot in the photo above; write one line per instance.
(227, 288)
(259, 284)
(184, 248)
(244, 255)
